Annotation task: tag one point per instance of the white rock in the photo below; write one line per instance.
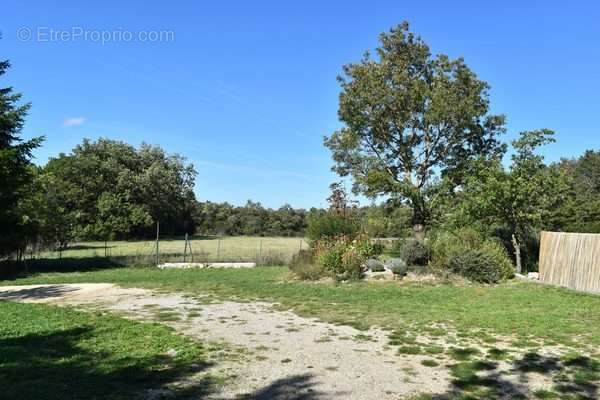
(533, 275)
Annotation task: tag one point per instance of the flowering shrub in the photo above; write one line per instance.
(343, 257)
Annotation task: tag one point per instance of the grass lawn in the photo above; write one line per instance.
(49, 352)
(529, 313)
(480, 327)
(238, 248)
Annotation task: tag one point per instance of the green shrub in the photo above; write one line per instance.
(469, 253)
(329, 253)
(412, 251)
(352, 262)
(304, 266)
(330, 226)
(342, 257)
(476, 265)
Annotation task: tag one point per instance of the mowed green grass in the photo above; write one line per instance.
(529, 313)
(49, 352)
(238, 248)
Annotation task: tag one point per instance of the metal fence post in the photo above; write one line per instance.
(157, 235)
(185, 248)
(218, 249)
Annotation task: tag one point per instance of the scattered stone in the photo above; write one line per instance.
(533, 276)
(374, 265)
(397, 266)
(384, 275)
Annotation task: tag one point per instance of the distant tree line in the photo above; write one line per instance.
(252, 219)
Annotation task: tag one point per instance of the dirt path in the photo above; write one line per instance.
(289, 356)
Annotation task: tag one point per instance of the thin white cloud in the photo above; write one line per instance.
(76, 121)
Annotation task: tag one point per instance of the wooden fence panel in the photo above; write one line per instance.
(571, 260)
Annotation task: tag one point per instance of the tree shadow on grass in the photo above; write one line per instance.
(296, 387)
(55, 366)
(11, 270)
(571, 377)
(37, 293)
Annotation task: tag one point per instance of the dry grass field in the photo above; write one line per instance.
(239, 248)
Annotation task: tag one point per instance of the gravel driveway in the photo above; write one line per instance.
(285, 356)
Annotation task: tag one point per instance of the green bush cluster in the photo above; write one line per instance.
(303, 265)
(330, 225)
(412, 251)
(343, 257)
(470, 254)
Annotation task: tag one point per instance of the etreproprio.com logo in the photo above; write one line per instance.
(42, 34)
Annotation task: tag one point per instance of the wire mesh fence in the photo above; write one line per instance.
(262, 250)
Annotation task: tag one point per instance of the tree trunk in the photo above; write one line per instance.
(419, 232)
(419, 219)
(517, 248)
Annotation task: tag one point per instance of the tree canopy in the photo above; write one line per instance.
(519, 199)
(409, 118)
(16, 169)
(109, 189)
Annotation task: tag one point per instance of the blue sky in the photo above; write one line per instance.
(247, 90)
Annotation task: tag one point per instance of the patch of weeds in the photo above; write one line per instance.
(429, 363)
(545, 394)
(360, 325)
(363, 338)
(398, 338)
(408, 349)
(167, 316)
(466, 378)
(331, 369)
(193, 314)
(525, 343)
(323, 339)
(432, 349)
(489, 339)
(292, 329)
(497, 354)
(436, 331)
(286, 360)
(261, 358)
(463, 354)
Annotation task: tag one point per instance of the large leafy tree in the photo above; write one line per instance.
(16, 170)
(410, 118)
(519, 199)
(109, 189)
